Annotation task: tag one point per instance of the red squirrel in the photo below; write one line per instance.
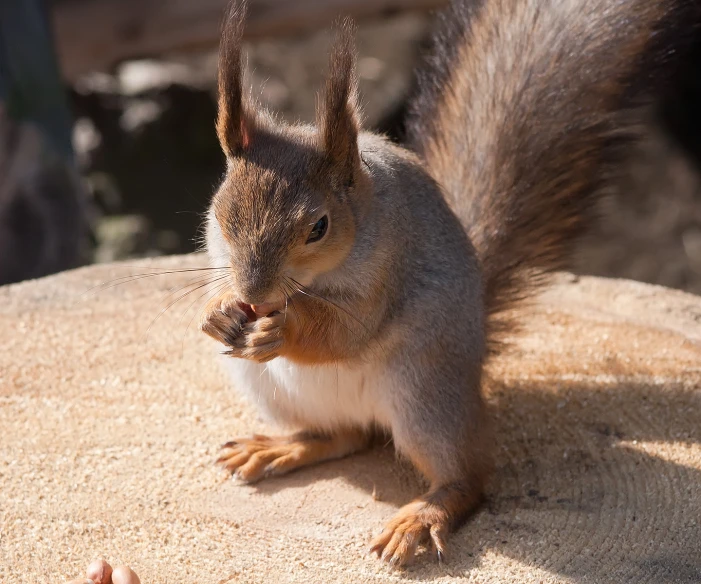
(368, 283)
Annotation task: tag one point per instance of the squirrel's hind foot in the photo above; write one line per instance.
(427, 520)
(415, 524)
(252, 459)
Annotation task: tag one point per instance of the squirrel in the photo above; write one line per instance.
(368, 283)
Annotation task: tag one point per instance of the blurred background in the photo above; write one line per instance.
(108, 150)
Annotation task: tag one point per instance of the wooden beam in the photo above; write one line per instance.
(95, 35)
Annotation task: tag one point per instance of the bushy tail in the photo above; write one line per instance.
(521, 109)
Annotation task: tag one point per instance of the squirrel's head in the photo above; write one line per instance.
(290, 202)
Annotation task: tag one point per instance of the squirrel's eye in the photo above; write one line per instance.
(319, 230)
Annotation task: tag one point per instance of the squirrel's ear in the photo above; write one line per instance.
(235, 117)
(338, 115)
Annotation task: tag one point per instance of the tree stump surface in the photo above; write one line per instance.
(111, 425)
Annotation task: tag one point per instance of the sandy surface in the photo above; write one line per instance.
(110, 426)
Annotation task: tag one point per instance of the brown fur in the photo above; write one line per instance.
(515, 122)
(252, 459)
(236, 118)
(427, 519)
(522, 119)
(339, 119)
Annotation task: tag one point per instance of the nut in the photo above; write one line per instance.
(124, 575)
(100, 572)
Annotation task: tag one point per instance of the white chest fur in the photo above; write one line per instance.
(314, 397)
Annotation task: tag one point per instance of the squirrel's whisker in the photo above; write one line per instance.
(101, 287)
(192, 282)
(210, 294)
(179, 298)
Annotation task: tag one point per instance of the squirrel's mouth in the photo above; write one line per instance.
(255, 311)
(248, 309)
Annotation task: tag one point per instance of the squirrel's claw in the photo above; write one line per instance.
(249, 459)
(260, 340)
(252, 459)
(414, 523)
(223, 319)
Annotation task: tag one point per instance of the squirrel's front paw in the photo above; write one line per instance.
(223, 319)
(260, 340)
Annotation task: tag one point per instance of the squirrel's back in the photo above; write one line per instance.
(521, 109)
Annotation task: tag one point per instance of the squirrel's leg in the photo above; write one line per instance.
(445, 436)
(252, 459)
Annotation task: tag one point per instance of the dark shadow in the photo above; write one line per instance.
(378, 470)
(165, 169)
(574, 485)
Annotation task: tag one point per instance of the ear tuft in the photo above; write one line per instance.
(338, 117)
(234, 118)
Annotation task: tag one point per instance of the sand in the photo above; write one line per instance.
(110, 426)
